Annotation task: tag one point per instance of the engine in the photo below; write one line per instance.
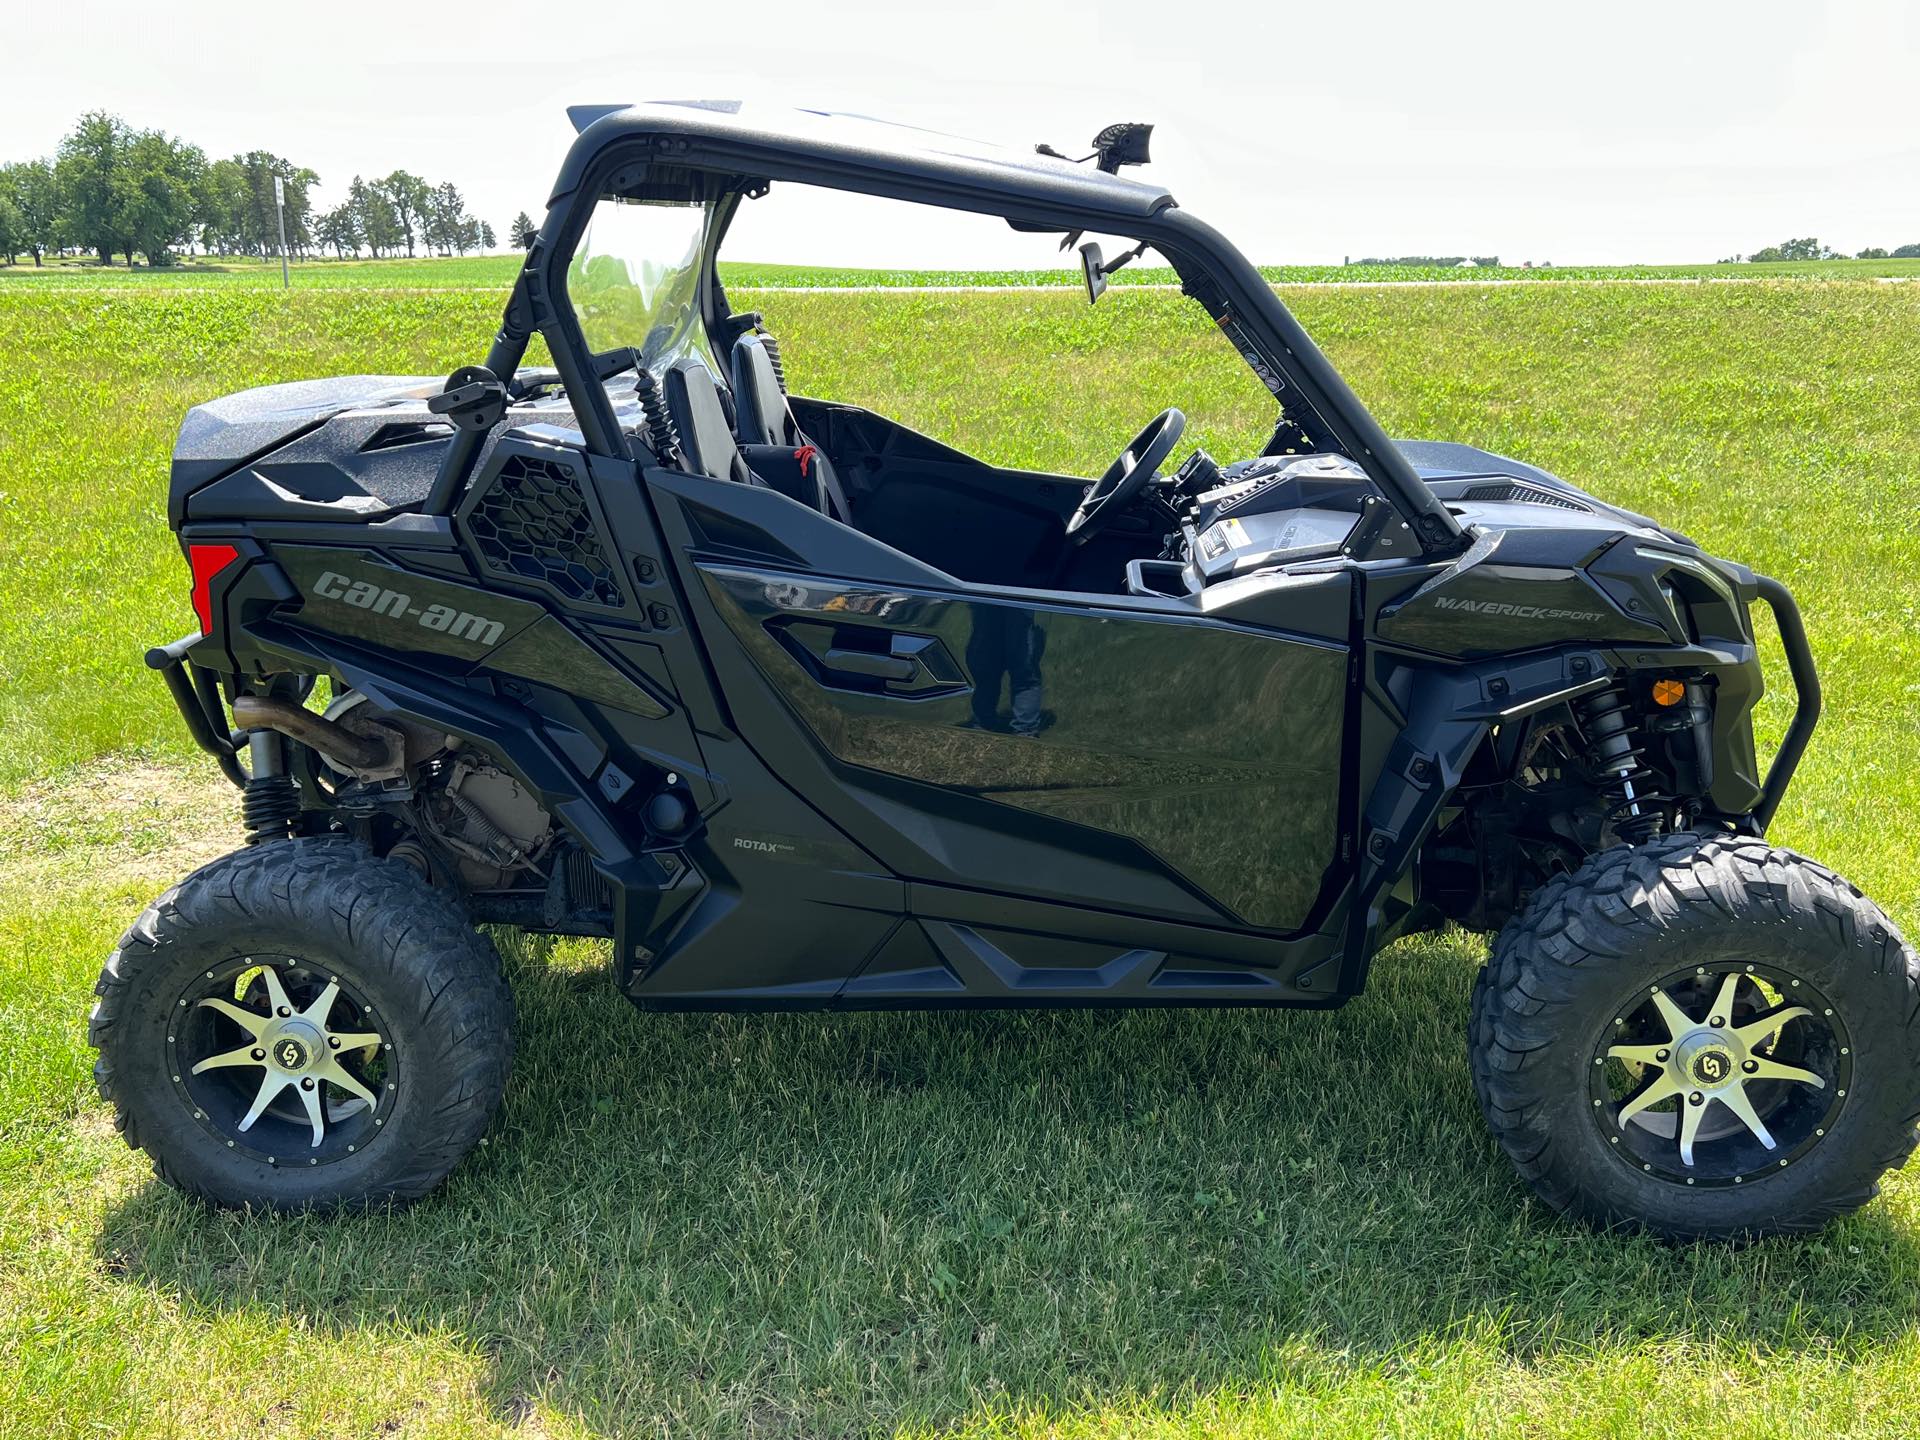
(435, 804)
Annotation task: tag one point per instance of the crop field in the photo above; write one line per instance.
(996, 1225)
(483, 270)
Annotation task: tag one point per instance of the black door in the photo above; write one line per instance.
(1069, 749)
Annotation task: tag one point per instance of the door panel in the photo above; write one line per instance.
(1216, 748)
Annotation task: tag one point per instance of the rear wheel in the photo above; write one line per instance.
(1704, 1036)
(301, 1025)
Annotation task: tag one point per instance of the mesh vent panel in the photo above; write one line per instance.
(533, 524)
(1522, 495)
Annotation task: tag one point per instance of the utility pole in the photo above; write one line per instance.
(280, 204)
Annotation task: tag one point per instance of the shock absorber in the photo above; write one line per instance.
(271, 801)
(1637, 808)
(772, 347)
(662, 434)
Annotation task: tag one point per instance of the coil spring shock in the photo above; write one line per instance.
(1637, 808)
(662, 434)
(270, 802)
(772, 347)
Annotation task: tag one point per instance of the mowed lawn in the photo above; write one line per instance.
(1166, 1223)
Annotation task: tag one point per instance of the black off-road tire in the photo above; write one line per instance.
(408, 949)
(1562, 968)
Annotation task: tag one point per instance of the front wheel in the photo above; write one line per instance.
(1701, 1036)
(301, 1025)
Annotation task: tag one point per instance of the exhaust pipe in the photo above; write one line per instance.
(355, 752)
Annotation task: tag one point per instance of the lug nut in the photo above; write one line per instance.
(256, 1054)
(1749, 1066)
(1717, 1021)
(1663, 1054)
(306, 1082)
(1696, 1098)
(333, 1042)
(284, 1011)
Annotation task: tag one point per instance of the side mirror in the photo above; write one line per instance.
(1094, 266)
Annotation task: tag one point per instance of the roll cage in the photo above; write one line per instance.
(718, 153)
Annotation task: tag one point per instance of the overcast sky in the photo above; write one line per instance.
(1633, 131)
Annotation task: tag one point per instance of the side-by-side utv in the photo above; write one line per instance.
(800, 708)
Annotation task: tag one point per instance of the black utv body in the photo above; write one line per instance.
(801, 708)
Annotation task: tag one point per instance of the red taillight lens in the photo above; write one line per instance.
(207, 561)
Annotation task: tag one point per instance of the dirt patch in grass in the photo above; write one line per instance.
(123, 814)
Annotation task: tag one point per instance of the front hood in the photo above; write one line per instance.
(1471, 480)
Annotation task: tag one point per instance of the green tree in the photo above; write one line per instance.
(157, 194)
(446, 211)
(1872, 252)
(261, 219)
(222, 208)
(338, 228)
(1907, 252)
(488, 240)
(29, 187)
(523, 231)
(373, 217)
(1804, 249)
(89, 173)
(12, 230)
(411, 199)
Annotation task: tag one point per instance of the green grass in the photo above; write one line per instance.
(1167, 1224)
(497, 271)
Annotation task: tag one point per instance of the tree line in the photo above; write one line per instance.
(113, 191)
(1809, 248)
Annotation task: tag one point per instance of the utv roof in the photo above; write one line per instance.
(853, 152)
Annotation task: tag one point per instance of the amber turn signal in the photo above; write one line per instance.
(1668, 692)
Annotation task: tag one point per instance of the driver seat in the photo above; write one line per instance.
(773, 438)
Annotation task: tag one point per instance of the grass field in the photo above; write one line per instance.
(498, 270)
(1063, 1225)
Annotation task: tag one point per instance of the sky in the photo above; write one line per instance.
(1685, 130)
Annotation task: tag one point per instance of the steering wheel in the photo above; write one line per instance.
(1108, 497)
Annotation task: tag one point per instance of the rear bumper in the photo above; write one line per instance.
(196, 695)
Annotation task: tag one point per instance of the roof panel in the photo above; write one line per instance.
(829, 144)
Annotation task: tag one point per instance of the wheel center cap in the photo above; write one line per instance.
(1708, 1061)
(292, 1047)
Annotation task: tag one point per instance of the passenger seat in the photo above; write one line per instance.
(775, 444)
(707, 445)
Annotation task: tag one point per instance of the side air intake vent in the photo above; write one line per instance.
(1514, 493)
(411, 432)
(530, 521)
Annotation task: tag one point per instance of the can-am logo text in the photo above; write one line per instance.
(1518, 612)
(459, 624)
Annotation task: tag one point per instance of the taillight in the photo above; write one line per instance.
(207, 561)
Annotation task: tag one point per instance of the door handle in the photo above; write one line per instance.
(915, 666)
(868, 662)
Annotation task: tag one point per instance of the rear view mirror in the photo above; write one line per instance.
(1094, 265)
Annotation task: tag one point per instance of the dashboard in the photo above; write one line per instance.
(1255, 515)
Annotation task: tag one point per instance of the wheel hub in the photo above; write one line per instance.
(303, 1065)
(1708, 1059)
(1725, 1075)
(293, 1045)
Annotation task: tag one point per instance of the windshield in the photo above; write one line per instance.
(634, 280)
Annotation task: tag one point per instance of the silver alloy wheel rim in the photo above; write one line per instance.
(314, 1063)
(1720, 1075)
